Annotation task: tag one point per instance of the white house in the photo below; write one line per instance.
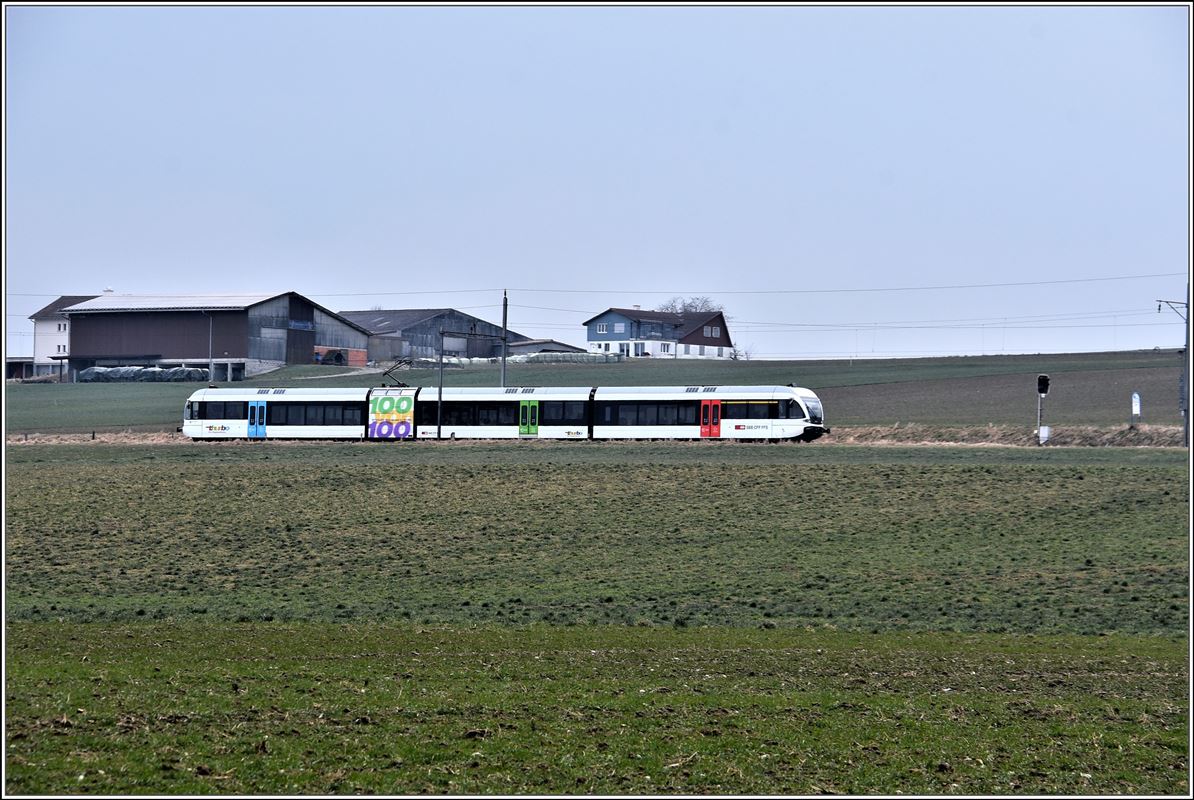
(51, 334)
(659, 334)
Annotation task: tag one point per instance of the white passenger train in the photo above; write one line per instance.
(616, 412)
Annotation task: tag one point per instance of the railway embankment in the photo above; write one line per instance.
(1013, 436)
(903, 434)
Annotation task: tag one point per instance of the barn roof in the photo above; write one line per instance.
(392, 320)
(171, 302)
(55, 309)
(113, 303)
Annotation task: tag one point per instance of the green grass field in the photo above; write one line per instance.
(1087, 389)
(599, 617)
(401, 709)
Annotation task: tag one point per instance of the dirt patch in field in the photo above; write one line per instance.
(98, 438)
(1068, 436)
(903, 434)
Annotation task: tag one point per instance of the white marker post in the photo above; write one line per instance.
(1135, 409)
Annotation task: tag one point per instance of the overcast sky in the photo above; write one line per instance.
(807, 168)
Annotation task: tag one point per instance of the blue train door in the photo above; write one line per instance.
(256, 419)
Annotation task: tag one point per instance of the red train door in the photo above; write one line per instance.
(710, 419)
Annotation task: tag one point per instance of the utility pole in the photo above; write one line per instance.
(1182, 309)
(504, 307)
(439, 403)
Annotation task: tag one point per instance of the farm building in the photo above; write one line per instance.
(659, 334)
(531, 346)
(51, 334)
(18, 367)
(415, 333)
(239, 335)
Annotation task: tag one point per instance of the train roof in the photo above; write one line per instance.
(256, 393)
(508, 393)
(479, 393)
(700, 392)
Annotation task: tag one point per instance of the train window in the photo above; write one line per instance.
(794, 411)
(276, 413)
(426, 413)
(333, 413)
(758, 410)
(815, 412)
(213, 411)
(627, 414)
(648, 413)
(236, 410)
(458, 414)
(734, 410)
(353, 414)
(605, 413)
(575, 413)
(688, 413)
(186, 410)
(551, 412)
(668, 413)
(508, 413)
(295, 413)
(487, 414)
(314, 414)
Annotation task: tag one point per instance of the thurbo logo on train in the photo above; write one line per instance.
(774, 413)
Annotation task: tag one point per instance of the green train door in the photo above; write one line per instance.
(528, 417)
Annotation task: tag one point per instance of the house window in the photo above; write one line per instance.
(664, 347)
(607, 347)
(603, 327)
(624, 348)
(700, 350)
(687, 349)
(619, 327)
(708, 332)
(719, 351)
(717, 332)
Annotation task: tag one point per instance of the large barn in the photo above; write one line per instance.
(415, 333)
(238, 334)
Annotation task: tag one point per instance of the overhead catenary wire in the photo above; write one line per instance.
(772, 290)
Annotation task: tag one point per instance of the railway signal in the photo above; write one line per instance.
(1042, 389)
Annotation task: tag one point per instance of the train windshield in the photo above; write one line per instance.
(815, 413)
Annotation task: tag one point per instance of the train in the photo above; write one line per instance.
(767, 413)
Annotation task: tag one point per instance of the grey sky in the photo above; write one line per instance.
(611, 156)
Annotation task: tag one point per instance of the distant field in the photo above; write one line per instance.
(1030, 541)
(1088, 389)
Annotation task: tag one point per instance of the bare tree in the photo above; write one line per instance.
(690, 305)
(740, 353)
